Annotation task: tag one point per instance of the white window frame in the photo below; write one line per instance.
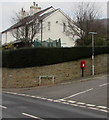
(64, 27)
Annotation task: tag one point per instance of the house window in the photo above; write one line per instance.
(64, 27)
(49, 25)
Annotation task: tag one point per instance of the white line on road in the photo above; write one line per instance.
(71, 101)
(103, 107)
(65, 103)
(56, 101)
(49, 99)
(82, 106)
(103, 84)
(93, 108)
(80, 103)
(103, 110)
(62, 100)
(43, 98)
(32, 116)
(78, 93)
(3, 106)
(74, 104)
(90, 105)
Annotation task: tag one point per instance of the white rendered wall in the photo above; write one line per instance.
(56, 29)
(7, 37)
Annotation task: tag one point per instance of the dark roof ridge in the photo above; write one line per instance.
(27, 19)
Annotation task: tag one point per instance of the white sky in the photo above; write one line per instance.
(8, 8)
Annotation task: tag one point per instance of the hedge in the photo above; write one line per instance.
(30, 57)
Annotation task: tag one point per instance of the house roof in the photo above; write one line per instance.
(39, 15)
(47, 14)
(29, 18)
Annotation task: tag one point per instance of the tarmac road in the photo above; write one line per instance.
(16, 106)
(86, 99)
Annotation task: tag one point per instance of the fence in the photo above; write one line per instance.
(48, 43)
(51, 77)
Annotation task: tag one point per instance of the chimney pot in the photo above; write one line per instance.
(34, 3)
(22, 9)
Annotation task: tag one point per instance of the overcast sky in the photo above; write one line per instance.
(8, 8)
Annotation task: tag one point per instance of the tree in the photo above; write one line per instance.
(25, 28)
(86, 18)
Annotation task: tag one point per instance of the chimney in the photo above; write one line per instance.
(37, 5)
(22, 10)
(22, 13)
(34, 8)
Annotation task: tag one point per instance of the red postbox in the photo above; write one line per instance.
(83, 64)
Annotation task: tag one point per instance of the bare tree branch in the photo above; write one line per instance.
(27, 30)
(86, 14)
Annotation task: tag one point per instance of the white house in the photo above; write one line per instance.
(55, 24)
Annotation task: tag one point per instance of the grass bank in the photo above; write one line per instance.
(63, 72)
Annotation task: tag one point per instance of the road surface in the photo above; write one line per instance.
(86, 99)
(15, 106)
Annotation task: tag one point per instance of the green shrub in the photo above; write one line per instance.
(30, 57)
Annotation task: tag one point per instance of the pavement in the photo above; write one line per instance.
(86, 98)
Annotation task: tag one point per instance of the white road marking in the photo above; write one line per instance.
(44, 98)
(103, 84)
(78, 93)
(103, 110)
(82, 106)
(61, 99)
(33, 96)
(27, 95)
(50, 99)
(3, 106)
(22, 94)
(11, 93)
(38, 97)
(90, 105)
(103, 107)
(93, 108)
(80, 103)
(56, 101)
(65, 103)
(32, 116)
(71, 101)
(74, 104)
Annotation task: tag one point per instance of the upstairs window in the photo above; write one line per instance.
(64, 27)
(49, 26)
(56, 21)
